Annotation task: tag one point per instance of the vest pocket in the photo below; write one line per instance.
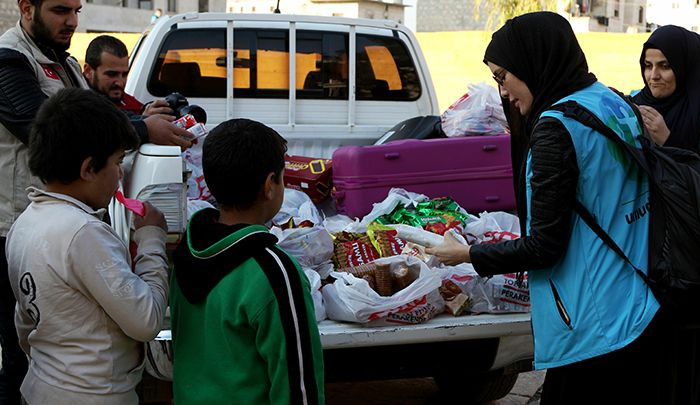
(560, 306)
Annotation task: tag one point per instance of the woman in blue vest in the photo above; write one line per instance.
(594, 320)
(670, 99)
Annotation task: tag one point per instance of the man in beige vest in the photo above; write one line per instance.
(34, 65)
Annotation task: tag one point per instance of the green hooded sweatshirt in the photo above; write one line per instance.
(244, 330)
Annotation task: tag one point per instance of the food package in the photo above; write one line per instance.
(385, 240)
(456, 302)
(309, 175)
(383, 278)
(501, 293)
(437, 215)
(353, 249)
(351, 299)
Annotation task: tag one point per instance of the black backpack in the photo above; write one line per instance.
(674, 223)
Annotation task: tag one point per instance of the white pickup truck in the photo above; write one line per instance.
(322, 83)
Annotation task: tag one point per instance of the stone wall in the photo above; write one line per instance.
(448, 15)
(9, 14)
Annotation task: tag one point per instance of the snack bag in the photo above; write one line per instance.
(385, 240)
(352, 249)
(456, 302)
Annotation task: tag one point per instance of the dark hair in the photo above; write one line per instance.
(72, 125)
(238, 155)
(104, 43)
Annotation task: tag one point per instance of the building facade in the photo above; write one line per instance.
(609, 15)
(685, 13)
(117, 15)
(394, 10)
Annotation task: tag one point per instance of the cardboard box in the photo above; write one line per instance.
(309, 175)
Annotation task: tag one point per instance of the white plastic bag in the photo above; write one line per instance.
(196, 205)
(351, 299)
(422, 237)
(196, 185)
(497, 294)
(298, 207)
(479, 112)
(339, 223)
(316, 296)
(312, 247)
(493, 227)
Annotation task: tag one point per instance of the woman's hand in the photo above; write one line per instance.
(450, 252)
(655, 124)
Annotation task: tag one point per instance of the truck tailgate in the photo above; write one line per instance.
(338, 335)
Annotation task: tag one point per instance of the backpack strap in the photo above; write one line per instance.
(588, 218)
(572, 109)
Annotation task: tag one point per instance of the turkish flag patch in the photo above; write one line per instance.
(50, 73)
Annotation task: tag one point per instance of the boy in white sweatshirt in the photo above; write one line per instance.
(81, 310)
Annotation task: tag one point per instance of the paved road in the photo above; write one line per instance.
(417, 391)
(423, 391)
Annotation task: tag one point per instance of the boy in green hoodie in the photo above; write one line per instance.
(243, 323)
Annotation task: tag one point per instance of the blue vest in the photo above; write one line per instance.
(591, 302)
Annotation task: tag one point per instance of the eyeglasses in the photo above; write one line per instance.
(500, 76)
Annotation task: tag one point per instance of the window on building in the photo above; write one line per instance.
(146, 4)
(203, 6)
(172, 6)
(641, 15)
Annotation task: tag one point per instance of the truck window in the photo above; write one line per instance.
(190, 62)
(385, 70)
(193, 62)
(322, 65)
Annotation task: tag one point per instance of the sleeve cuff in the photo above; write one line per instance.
(150, 232)
(141, 128)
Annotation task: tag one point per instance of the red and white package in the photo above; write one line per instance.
(198, 130)
(186, 121)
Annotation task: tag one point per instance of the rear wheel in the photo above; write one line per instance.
(475, 389)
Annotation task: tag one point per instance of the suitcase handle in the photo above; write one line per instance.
(492, 198)
(489, 148)
(392, 155)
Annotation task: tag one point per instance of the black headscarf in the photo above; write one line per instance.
(541, 50)
(681, 110)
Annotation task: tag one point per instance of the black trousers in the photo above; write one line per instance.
(658, 368)
(14, 361)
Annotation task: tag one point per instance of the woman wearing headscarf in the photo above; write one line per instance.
(594, 319)
(670, 99)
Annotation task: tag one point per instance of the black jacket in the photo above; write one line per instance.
(21, 97)
(554, 181)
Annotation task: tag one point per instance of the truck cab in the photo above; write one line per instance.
(321, 82)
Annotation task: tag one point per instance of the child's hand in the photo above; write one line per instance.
(153, 217)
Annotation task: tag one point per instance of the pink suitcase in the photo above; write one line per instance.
(475, 171)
